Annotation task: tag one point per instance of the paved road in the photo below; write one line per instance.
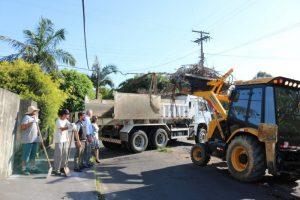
(171, 175)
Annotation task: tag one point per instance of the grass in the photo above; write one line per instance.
(164, 150)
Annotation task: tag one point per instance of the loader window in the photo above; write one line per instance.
(239, 104)
(254, 113)
(270, 106)
(288, 110)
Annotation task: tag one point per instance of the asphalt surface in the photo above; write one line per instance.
(170, 174)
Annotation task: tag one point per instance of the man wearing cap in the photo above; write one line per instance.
(29, 139)
(61, 139)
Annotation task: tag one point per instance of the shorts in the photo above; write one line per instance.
(29, 151)
(95, 144)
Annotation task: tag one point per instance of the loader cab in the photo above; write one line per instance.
(269, 100)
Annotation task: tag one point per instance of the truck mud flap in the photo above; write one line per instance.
(111, 140)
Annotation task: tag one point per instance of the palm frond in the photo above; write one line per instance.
(105, 82)
(10, 57)
(14, 43)
(55, 38)
(64, 57)
(108, 69)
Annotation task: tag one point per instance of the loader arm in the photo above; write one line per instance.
(214, 98)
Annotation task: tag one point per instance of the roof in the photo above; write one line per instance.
(254, 81)
(272, 80)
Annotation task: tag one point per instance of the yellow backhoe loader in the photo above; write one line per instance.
(259, 131)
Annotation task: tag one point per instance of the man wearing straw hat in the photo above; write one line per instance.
(29, 139)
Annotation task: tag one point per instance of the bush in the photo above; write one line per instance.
(30, 82)
(76, 85)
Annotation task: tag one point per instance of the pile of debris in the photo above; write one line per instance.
(190, 78)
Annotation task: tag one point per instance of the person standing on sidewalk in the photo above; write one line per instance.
(61, 139)
(96, 143)
(89, 136)
(29, 139)
(80, 140)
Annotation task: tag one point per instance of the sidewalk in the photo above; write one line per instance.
(78, 186)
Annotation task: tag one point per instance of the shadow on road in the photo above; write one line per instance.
(114, 153)
(187, 181)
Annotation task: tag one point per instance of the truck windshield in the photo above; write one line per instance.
(288, 110)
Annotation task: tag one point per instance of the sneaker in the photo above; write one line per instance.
(90, 164)
(35, 170)
(25, 172)
(56, 173)
(77, 170)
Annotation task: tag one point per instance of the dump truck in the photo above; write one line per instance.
(259, 131)
(137, 121)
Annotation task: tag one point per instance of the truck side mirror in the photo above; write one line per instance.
(202, 106)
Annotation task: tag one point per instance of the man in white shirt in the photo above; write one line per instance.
(89, 134)
(61, 139)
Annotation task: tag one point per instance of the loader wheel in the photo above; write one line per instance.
(138, 141)
(159, 138)
(200, 137)
(246, 159)
(199, 155)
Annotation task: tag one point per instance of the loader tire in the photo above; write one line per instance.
(159, 138)
(246, 159)
(138, 141)
(199, 155)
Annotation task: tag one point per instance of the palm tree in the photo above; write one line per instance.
(100, 76)
(41, 47)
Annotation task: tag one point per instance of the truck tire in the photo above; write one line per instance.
(138, 141)
(199, 155)
(246, 159)
(110, 145)
(159, 138)
(201, 134)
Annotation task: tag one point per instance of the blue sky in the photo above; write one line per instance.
(155, 36)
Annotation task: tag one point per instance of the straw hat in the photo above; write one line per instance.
(31, 109)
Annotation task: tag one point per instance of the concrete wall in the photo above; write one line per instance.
(9, 109)
(12, 111)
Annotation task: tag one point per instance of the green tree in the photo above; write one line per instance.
(141, 84)
(76, 85)
(40, 47)
(100, 76)
(30, 82)
(261, 74)
(107, 93)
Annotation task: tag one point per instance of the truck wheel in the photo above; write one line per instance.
(110, 145)
(199, 155)
(138, 141)
(159, 138)
(201, 134)
(246, 159)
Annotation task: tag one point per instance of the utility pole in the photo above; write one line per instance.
(204, 36)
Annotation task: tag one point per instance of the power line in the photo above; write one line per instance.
(232, 14)
(68, 66)
(279, 31)
(253, 57)
(168, 62)
(84, 33)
